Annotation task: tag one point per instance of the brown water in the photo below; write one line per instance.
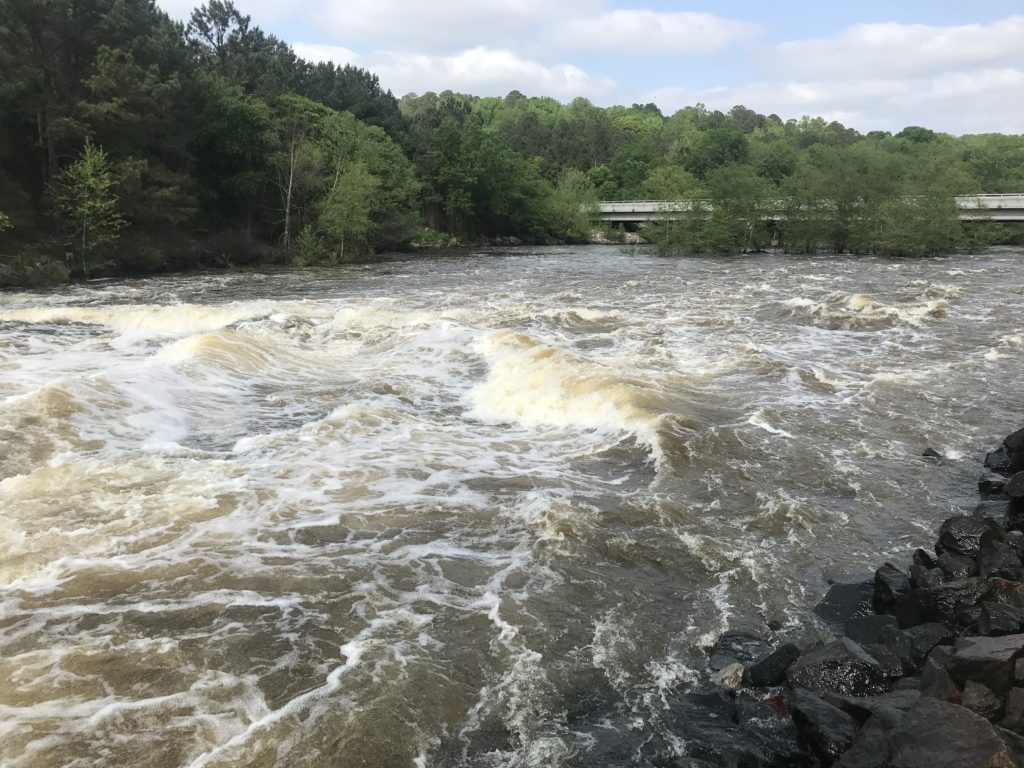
(470, 511)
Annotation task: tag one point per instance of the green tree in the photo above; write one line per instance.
(86, 198)
(574, 202)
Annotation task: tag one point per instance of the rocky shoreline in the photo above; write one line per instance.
(926, 668)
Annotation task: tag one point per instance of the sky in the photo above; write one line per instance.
(950, 66)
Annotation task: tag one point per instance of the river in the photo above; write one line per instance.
(469, 510)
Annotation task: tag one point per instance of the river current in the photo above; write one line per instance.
(470, 510)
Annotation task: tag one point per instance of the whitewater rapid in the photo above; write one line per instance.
(479, 510)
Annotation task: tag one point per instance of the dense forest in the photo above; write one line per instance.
(133, 143)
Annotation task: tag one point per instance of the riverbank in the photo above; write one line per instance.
(926, 667)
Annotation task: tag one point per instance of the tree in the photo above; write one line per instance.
(574, 203)
(87, 200)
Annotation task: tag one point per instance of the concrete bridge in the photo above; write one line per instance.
(972, 208)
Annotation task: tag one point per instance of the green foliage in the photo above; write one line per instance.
(573, 202)
(86, 198)
(5, 221)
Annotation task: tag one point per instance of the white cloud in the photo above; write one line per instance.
(889, 50)
(446, 24)
(484, 72)
(967, 102)
(643, 32)
(317, 52)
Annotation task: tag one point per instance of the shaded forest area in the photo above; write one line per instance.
(130, 143)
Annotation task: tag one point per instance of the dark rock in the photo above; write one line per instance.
(1007, 592)
(937, 683)
(899, 644)
(771, 669)
(1018, 673)
(999, 559)
(1016, 540)
(861, 708)
(935, 734)
(991, 484)
(980, 700)
(839, 667)
(940, 654)
(924, 638)
(890, 584)
(767, 721)
(742, 647)
(968, 617)
(908, 684)
(926, 577)
(720, 661)
(931, 453)
(826, 729)
(1015, 487)
(965, 535)
(986, 660)
(870, 748)
(998, 461)
(888, 659)
(1014, 715)
(997, 619)
(942, 603)
(1014, 447)
(923, 559)
(956, 566)
(844, 602)
(867, 630)
(730, 677)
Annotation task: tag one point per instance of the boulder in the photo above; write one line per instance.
(868, 630)
(841, 666)
(986, 660)
(998, 461)
(890, 584)
(941, 603)
(936, 734)
(926, 577)
(736, 646)
(826, 729)
(767, 722)
(1014, 447)
(1007, 592)
(771, 669)
(924, 559)
(957, 566)
(965, 535)
(924, 638)
(1013, 718)
(730, 677)
(870, 748)
(999, 559)
(846, 601)
(1014, 487)
(991, 484)
(997, 619)
(980, 700)
(1018, 673)
(862, 708)
(936, 683)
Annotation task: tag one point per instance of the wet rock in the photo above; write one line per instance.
(955, 566)
(1014, 447)
(730, 678)
(986, 660)
(870, 748)
(935, 734)
(924, 638)
(999, 559)
(1014, 487)
(846, 601)
(999, 619)
(767, 721)
(890, 584)
(1007, 592)
(991, 484)
(1018, 672)
(980, 700)
(998, 461)
(826, 729)
(931, 453)
(1015, 539)
(907, 684)
(740, 646)
(868, 630)
(941, 603)
(937, 683)
(862, 708)
(899, 644)
(923, 559)
(888, 659)
(926, 577)
(839, 667)
(771, 669)
(1013, 718)
(965, 535)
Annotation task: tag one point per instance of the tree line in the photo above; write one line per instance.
(130, 142)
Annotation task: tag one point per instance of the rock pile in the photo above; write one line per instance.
(926, 670)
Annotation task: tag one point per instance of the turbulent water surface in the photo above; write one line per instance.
(481, 510)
